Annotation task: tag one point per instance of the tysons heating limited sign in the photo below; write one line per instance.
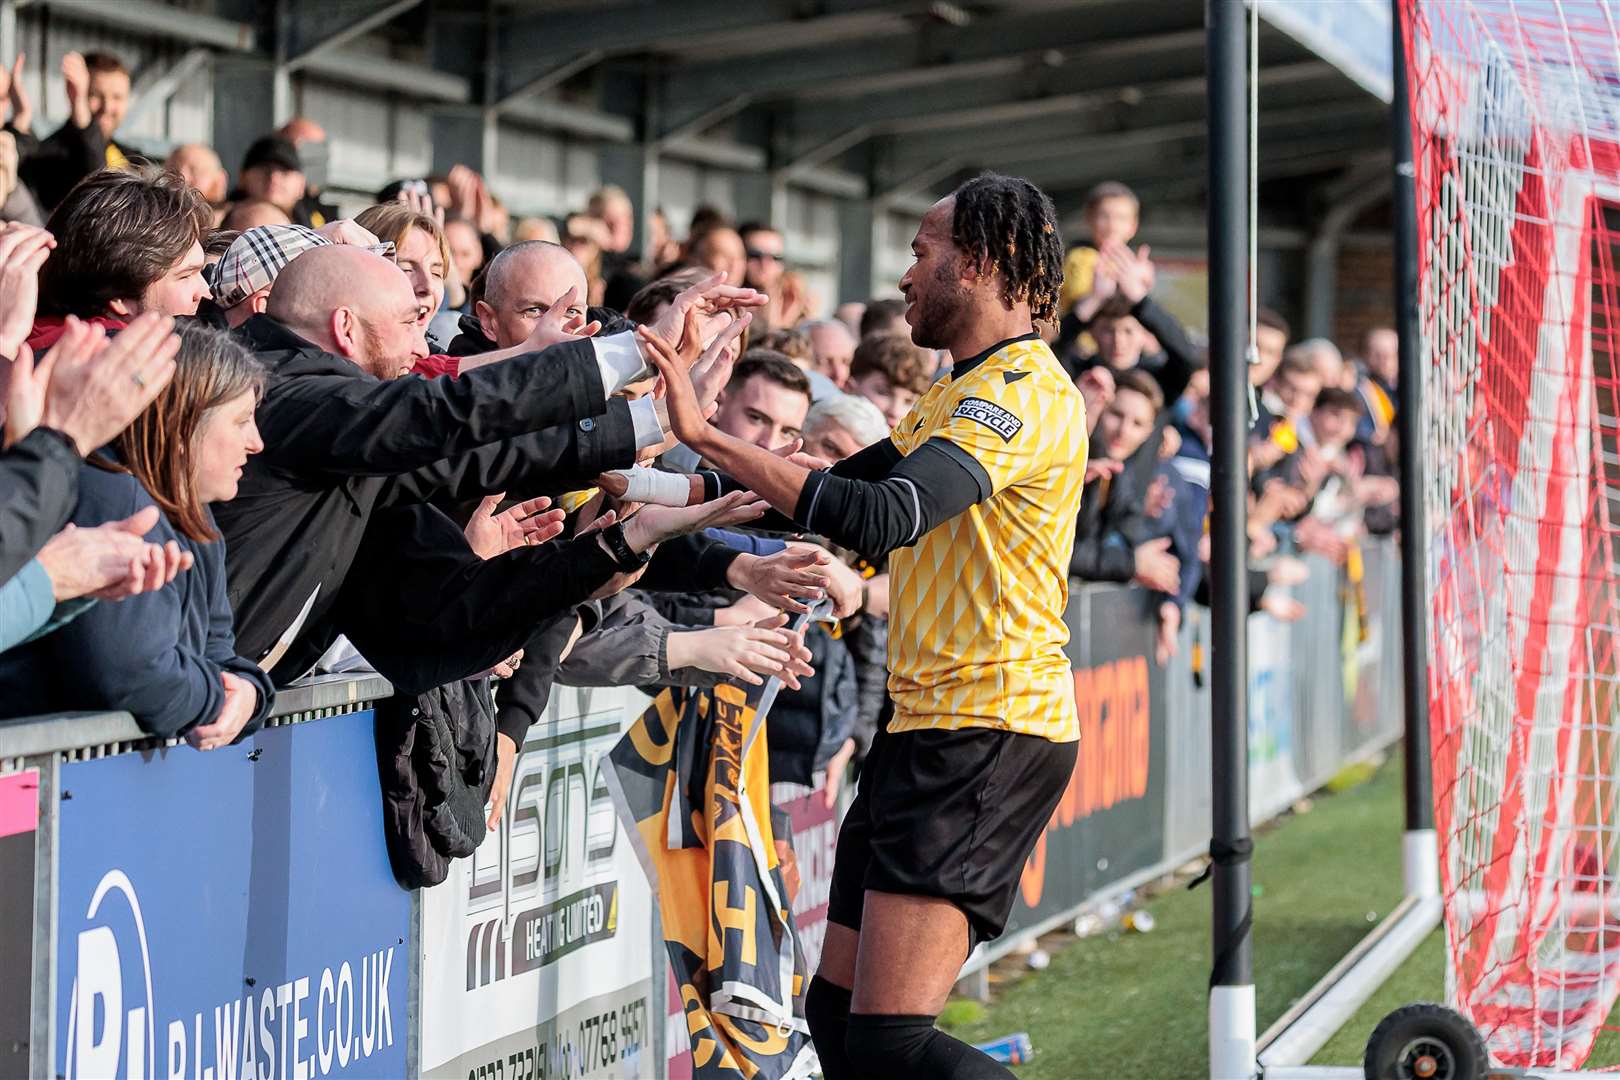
(231, 916)
(537, 952)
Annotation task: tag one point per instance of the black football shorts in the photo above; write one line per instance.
(952, 814)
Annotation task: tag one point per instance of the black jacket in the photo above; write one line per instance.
(39, 483)
(339, 444)
(158, 655)
(806, 727)
(1113, 520)
(1173, 368)
(867, 638)
(471, 341)
(436, 764)
(426, 610)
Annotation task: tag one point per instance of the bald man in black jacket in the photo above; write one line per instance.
(346, 435)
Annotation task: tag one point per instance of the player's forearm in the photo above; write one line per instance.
(926, 488)
(776, 480)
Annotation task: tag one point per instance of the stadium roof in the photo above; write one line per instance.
(894, 99)
(911, 95)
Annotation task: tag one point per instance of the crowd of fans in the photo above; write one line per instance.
(1320, 446)
(247, 441)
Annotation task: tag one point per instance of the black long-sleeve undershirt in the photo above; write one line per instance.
(880, 499)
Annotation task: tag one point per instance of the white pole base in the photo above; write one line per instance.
(1420, 862)
(1231, 1033)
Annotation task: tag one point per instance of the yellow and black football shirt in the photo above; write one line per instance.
(973, 498)
(976, 631)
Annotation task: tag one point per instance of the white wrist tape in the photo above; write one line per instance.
(656, 486)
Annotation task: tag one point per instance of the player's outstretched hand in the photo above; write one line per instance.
(685, 409)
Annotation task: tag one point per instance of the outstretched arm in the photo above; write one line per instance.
(871, 511)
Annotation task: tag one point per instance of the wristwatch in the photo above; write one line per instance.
(624, 557)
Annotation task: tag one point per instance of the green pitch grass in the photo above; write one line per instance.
(1122, 1006)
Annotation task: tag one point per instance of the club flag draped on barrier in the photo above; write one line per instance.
(691, 784)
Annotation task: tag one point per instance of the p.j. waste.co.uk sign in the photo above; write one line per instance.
(231, 915)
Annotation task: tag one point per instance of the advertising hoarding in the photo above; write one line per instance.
(537, 951)
(231, 914)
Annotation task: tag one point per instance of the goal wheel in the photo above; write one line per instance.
(1425, 1042)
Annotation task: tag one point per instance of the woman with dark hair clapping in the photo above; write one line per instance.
(167, 656)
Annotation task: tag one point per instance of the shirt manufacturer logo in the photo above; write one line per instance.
(991, 415)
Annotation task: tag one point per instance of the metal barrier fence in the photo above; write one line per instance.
(233, 914)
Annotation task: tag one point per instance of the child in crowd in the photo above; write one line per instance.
(891, 373)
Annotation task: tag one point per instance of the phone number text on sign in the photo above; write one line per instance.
(591, 1046)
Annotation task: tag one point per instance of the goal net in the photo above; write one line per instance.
(1516, 127)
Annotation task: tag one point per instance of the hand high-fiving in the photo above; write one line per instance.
(712, 370)
(745, 654)
(652, 525)
(692, 376)
(789, 580)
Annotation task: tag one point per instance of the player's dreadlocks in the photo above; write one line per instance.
(1006, 224)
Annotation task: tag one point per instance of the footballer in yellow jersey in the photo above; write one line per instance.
(974, 498)
(976, 631)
